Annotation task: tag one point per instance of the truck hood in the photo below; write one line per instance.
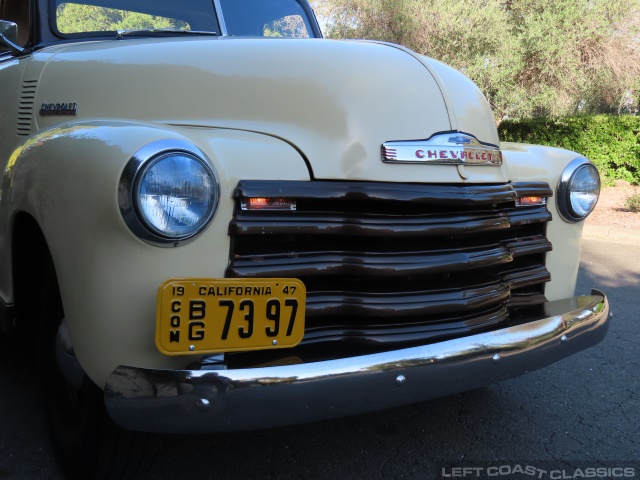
(337, 102)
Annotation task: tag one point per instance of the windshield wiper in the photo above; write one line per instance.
(151, 32)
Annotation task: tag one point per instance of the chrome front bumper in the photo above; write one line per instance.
(256, 398)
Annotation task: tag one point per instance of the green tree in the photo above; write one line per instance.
(76, 18)
(542, 57)
(73, 18)
(578, 56)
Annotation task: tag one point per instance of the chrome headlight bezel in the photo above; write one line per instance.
(565, 190)
(129, 191)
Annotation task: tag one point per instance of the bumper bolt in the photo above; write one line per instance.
(400, 380)
(563, 339)
(202, 405)
(496, 358)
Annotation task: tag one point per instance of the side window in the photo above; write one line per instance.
(291, 26)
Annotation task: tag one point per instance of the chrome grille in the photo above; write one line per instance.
(390, 264)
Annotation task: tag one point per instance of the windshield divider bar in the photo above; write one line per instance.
(221, 22)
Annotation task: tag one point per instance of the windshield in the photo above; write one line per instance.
(260, 18)
(256, 18)
(80, 17)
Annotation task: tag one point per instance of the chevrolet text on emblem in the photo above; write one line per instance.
(59, 109)
(442, 149)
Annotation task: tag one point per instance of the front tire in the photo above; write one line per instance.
(87, 443)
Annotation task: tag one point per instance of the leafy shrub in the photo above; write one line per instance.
(529, 58)
(611, 142)
(633, 203)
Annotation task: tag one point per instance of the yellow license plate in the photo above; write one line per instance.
(201, 315)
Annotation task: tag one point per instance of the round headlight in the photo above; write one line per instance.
(578, 190)
(168, 193)
(176, 195)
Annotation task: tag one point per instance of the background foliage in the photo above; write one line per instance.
(530, 58)
(74, 18)
(611, 142)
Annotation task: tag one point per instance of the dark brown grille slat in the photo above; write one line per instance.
(364, 225)
(391, 264)
(367, 264)
(374, 192)
(406, 333)
(526, 277)
(532, 189)
(524, 216)
(528, 246)
(403, 304)
(525, 299)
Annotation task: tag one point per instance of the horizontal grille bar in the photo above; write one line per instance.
(404, 304)
(369, 264)
(374, 192)
(406, 333)
(396, 225)
(382, 264)
(391, 225)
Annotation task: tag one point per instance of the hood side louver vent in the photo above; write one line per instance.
(26, 107)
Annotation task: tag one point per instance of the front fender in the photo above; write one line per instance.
(533, 163)
(67, 179)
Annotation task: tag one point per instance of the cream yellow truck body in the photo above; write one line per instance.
(75, 112)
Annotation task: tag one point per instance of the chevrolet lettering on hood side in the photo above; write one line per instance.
(199, 198)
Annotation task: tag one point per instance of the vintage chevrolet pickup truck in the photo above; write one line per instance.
(213, 220)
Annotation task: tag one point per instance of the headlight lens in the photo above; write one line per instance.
(168, 193)
(578, 190)
(176, 195)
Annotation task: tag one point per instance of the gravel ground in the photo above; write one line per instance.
(611, 211)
